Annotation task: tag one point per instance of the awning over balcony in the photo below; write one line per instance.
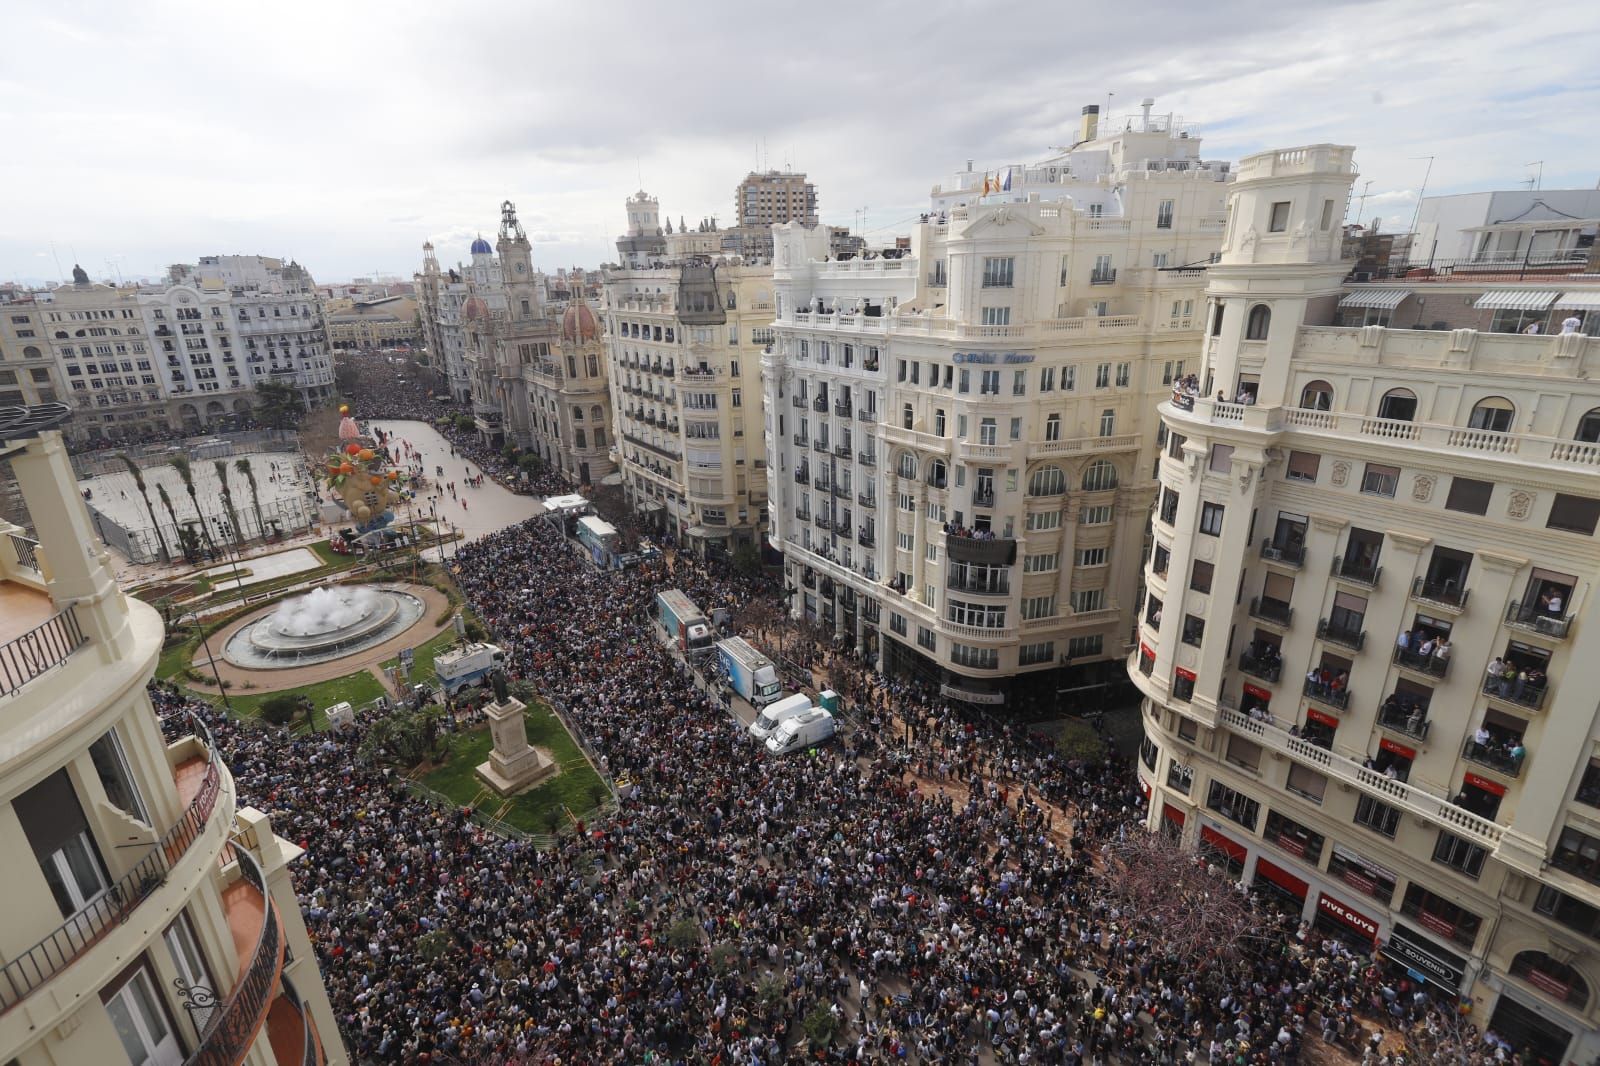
(708, 533)
(1514, 300)
(1382, 299)
(1579, 301)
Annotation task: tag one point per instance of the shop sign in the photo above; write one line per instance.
(1322, 719)
(1415, 953)
(1285, 880)
(1258, 692)
(1187, 675)
(1557, 989)
(1173, 814)
(992, 357)
(1397, 749)
(1492, 787)
(1354, 919)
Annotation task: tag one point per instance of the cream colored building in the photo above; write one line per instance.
(148, 917)
(1337, 503)
(962, 436)
(28, 374)
(683, 341)
(385, 322)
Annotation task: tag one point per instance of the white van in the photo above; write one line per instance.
(777, 713)
(801, 732)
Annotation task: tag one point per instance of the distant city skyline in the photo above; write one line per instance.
(349, 160)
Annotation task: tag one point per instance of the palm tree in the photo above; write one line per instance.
(221, 466)
(180, 463)
(244, 467)
(138, 483)
(177, 530)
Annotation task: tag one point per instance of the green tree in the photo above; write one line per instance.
(747, 559)
(180, 463)
(1078, 740)
(683, 934)
(244, 467)
(278, 405)
(166, 501)
(821, 1025)
(280, 709)
(144, 493)
(221, 466)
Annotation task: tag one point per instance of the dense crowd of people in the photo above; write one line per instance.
(930, 888)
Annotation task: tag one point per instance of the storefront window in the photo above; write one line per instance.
(1438, 915)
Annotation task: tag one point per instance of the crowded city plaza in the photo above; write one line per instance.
(940, 885)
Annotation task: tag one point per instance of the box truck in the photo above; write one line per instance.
(804, 730)
(749, 673)
(683, 622)
(467, 664)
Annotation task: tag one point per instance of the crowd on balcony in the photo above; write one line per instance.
(1507, 680)
(935, 883)
(1327, 683)
(1185, 390)
(953, 529)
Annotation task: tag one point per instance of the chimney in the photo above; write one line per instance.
(1089, 125)
(1145, 105)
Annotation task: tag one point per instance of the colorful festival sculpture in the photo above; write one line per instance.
(362, 477)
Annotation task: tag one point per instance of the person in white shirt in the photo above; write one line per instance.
(1532, 329)
(1571, 323)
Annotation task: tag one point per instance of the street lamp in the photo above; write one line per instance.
(205, 642)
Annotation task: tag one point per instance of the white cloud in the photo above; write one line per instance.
(346, 136)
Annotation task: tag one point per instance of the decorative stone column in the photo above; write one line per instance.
(514, 765)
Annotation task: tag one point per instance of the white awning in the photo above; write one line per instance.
(1382, 299)
(1579, 301)
(1514, 300)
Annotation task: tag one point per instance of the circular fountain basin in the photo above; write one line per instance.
(323, 625)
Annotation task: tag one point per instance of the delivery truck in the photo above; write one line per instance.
(749, 673)
(775, 714)
(683, 622)
(804, 730)
(467, 664)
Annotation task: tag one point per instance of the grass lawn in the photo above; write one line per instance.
(574, 787)
(357, 688)
(422, 666)
(328, 556)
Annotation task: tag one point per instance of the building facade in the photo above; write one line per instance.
(28, 373)
(1389, 725)
(149, 917)
(682, 340)
(382, 322)
(440, 296)
(961, 436)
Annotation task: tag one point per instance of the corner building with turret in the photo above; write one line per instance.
(1366, 644)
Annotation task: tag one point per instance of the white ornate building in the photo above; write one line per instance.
(148, 917)
(1368, 616)
(962, 438)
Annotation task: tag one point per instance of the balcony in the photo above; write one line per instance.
(1103, 277)
(841, 491)
(1344, 635)
(801, 475)
(1418, 663)
(40, 648)
(865, 538)
(1496, 755)
(821, 520)
(1260, 666)
(981, 498)
(1079, 445)
(841, 408)
(820, 481)
(1338, 698)
(979, 586)
(820, 404)
(842, 451)
(800, 440)
(819, 445)
(258, 937)
(798, 402)
(201, 779)
(1356, 572)
(1285, 552)
(1529, 618)
(1518, 694)
(802, 514)
(1398, 794)
(866, 499)
(1446, 594)
(866, 459)
(1413, 723)
(1274, 611)
(865, 415)
(994, 551)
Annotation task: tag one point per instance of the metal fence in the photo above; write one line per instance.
(281, 517)
(211, 446)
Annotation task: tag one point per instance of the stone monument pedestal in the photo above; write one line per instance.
(514, 765)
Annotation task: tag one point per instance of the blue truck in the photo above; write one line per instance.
(685, 625)
(749, 673)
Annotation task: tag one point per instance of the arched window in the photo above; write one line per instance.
(937, 474)
(1317, 396)
(1099, 476)
(1047, 481)
(1552, 977)
(1260, 320)
(597, 414)
(30, 352)
(1493, 413)
(1589, 427)
(1399, 405)
(908, 465)
(577, 414)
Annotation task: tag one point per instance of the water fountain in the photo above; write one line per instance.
(324, 624)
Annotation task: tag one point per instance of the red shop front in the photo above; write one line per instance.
(1272, 877)
(1346, 923)
(1225, 852)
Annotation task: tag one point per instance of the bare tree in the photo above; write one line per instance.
(1202, 916)
(1447, 1038)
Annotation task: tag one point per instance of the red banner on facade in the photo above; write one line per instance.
(1187, 675)
(1222, 843)
(1258, 692)
(1314, 715)
(1354, 919)
(1484, 783)
(1173, 814)
(1398, 749)
(1282, 878)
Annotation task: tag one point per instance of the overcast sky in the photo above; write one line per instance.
(345, 134)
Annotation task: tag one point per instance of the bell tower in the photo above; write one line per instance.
(523, 297)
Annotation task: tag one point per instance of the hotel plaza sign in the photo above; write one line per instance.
(992, 357)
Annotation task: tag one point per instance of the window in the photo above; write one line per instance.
(1034, 654)
(1398, 405)
(1098, 515)
(997, 272)
(997, 316)
(1303, 466)
(54, 824)
(1164, 215)
(989, 382)
(1099, 476)
(1200, 576)
(1469, 496)
(975, 658)
(1124, 374)
(1493, 413)
(1042, 563)
(1179, 776)
(1234, 806)
(1047, 481)
(190, 964)
(1038, 606)
(1211, 519)
(1306, 782)
(1589, 427)
(1102, 376)
(1379, 480)
(1108, 423)
(1575, 514)
(1019, 383)
(1042, 520)
(1221, 460)
(1450, 850)
(1087, 600)
(1082, 647)
(1168, 511)
(1317, 396)
(1069, 378)
(1047, 381)
(1378, 817)
(1194, 629)
(897, 624)
(1244, 753)
(1091, 556)
(111, 765)
(927, 639)
(1258, 322)
(1278, 220)
(906, 465)
(141, 1022)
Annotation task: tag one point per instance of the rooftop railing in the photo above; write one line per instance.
(39, 650)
